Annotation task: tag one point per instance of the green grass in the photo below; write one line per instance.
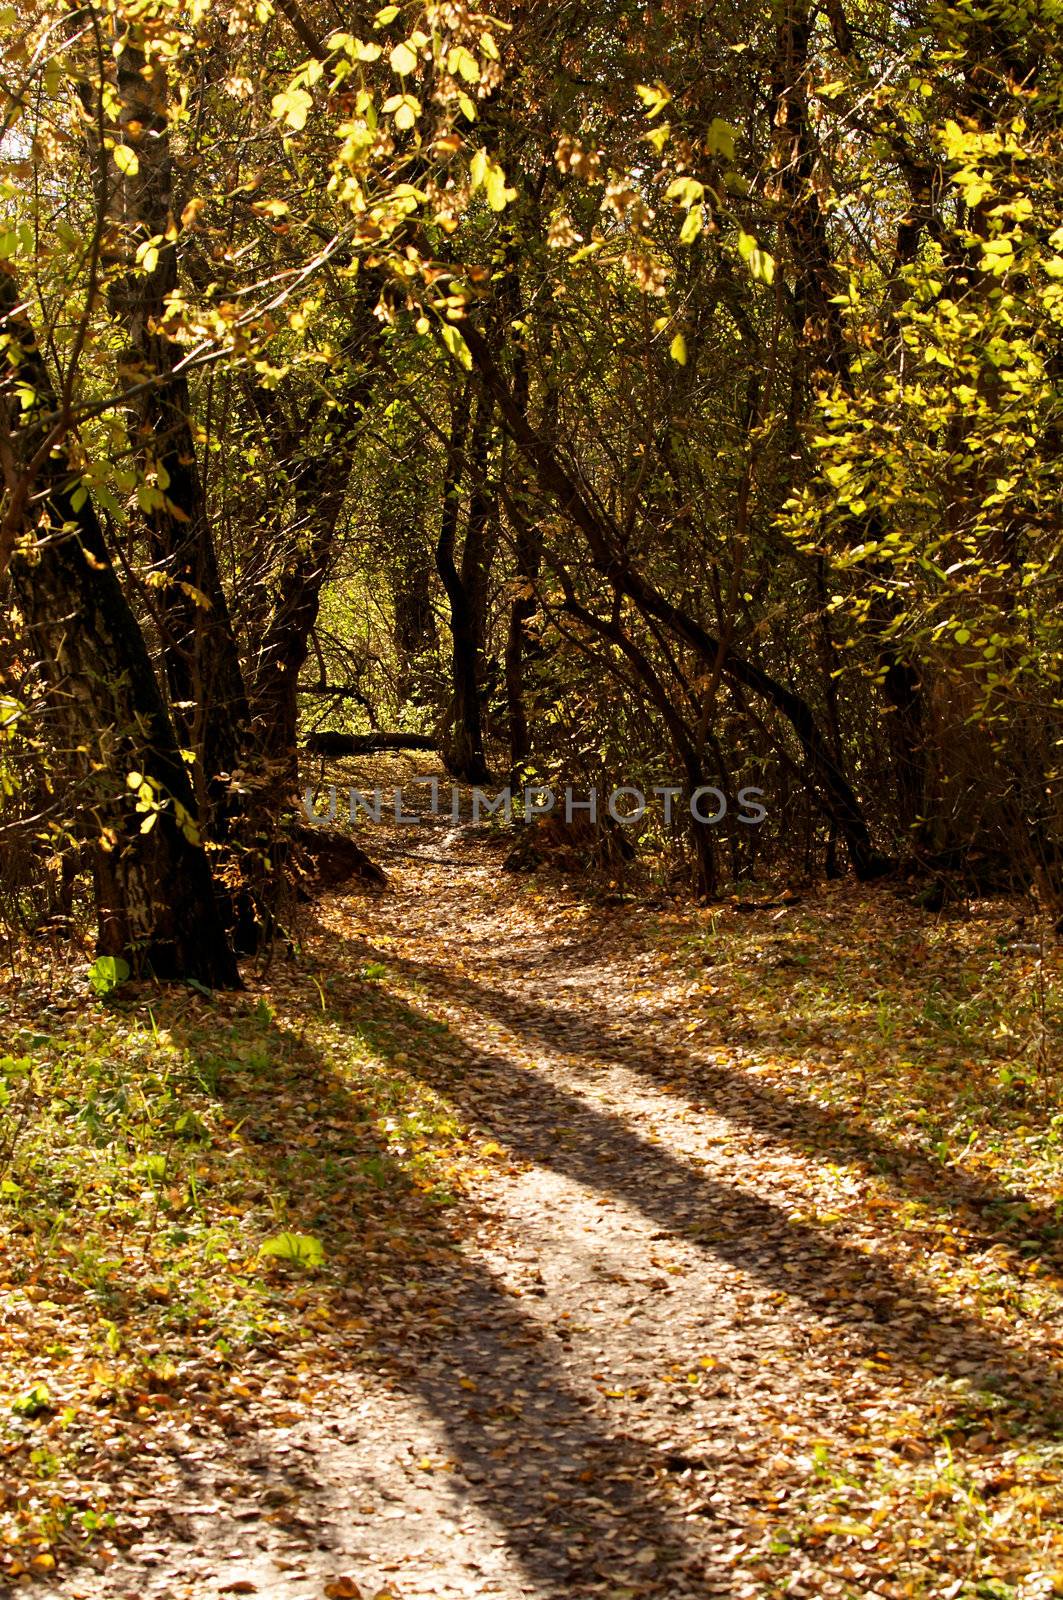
(151, 1146)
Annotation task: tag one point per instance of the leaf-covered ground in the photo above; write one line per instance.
(667, 1251)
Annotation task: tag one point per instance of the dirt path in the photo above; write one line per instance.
(645, 1352)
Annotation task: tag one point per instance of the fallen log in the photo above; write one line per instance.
(327, 743)
(335, 691)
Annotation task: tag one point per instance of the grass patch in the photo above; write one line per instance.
(150, 1147)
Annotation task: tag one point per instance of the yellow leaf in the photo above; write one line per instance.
(654, 97)
(678, 350)
(126, 160)
(462, 63)
(495, 187)
(292, 107)
(692, 225)
(406, 108)
(403, 59)
(759, 262)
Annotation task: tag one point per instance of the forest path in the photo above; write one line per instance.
(647, 1368)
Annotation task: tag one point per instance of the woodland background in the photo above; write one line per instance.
(570, 395)
(664, 394)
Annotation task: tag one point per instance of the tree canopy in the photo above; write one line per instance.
(656, 394)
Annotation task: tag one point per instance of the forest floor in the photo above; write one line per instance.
(614, 1247)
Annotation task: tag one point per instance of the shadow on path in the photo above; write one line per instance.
(883, 1307)
(996, 1215)
(580, 1506)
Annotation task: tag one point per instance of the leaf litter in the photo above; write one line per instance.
(519, 1243)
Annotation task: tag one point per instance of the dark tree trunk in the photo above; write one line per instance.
(155, 896)
(319, 469)
(528, 554)
(319, 496)
(521, 609)
(414, 626)
(465, 750)
(203, 673)
(817, 318)
(903, 690)
(835, 793)
(684, 739)
(702, 838)
(820, 329)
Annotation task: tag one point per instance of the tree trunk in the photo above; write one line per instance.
(155, 897)
(834, 791)
(319, 469)
(414, 625)
(319, 498)
(521, 609)
(465, 752)
(203, 672)
(524, 604)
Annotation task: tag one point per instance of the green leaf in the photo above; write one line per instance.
(300, 1248)
(406, 109)
(148, 254)
(107, 500)
(495, 187)
(654, 97)
(456, 345)
(106, 973)
(33, 1402)
(462, 63)
(720, 138)
(126, 160)
(685, 191)
(488, 174)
